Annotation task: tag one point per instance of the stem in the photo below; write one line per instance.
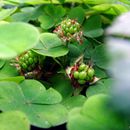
(77, 91)
(58, 63)
(94, 39)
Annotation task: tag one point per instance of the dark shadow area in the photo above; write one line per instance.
(60, 127)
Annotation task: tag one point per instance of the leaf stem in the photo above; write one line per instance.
(58, 62)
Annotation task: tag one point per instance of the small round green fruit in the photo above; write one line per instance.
(82, 75)
(30, 60)
(91, 72)
(80, 81)
(76, 74)
(82, 67)
(86, 68)
(24, 66)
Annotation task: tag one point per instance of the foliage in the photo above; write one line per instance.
(65, 37)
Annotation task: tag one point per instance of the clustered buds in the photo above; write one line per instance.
(29, 64)
(28, 61)
(81, 74)
(69, 30)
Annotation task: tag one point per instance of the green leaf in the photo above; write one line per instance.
(92, 27)
(77, 13)
(56, 12)
(120, 8)
(16, 79)
(113, 9)
(14, 120)
(102, 86)
(62, 85)
(99, 1)
(76, 50)
(21, 17)
(35, 2)
(23, 38)
(50, 45)
(100, 56)
(61, 1)
(4, 13)
(2, 62)
(8, 71)
(95, 115)
(34, 91)
(88, 50)
(100, 73)
(35, 102)
(52, 15)
(27, 14)
(102, 7)
(46, 21)
(75, 101)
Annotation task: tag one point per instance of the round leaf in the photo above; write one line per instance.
(51, 45)
(95, 115)
(14, 120)
(46, 21)
(41, 106)
(77, 13)
(92, 27)
(16, 38)
(102, 86)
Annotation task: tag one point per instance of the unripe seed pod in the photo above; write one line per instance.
(76, 74)
(82, 67)
(80, 81)
(82, 75)
(26, 56)
(71, 30)
(63, 26)
(30, 53)
(67, 30)
(24, 66)
(68, 24)
(30, 61)
(68, 34)
(86, 68)
(75, 29)
(21, 59)
(91, 72)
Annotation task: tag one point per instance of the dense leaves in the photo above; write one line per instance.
(40, 105)
(64, 33)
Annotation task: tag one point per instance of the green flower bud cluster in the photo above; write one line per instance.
(70, 27)
(29, 61)
(84, 74)
(69, 30)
